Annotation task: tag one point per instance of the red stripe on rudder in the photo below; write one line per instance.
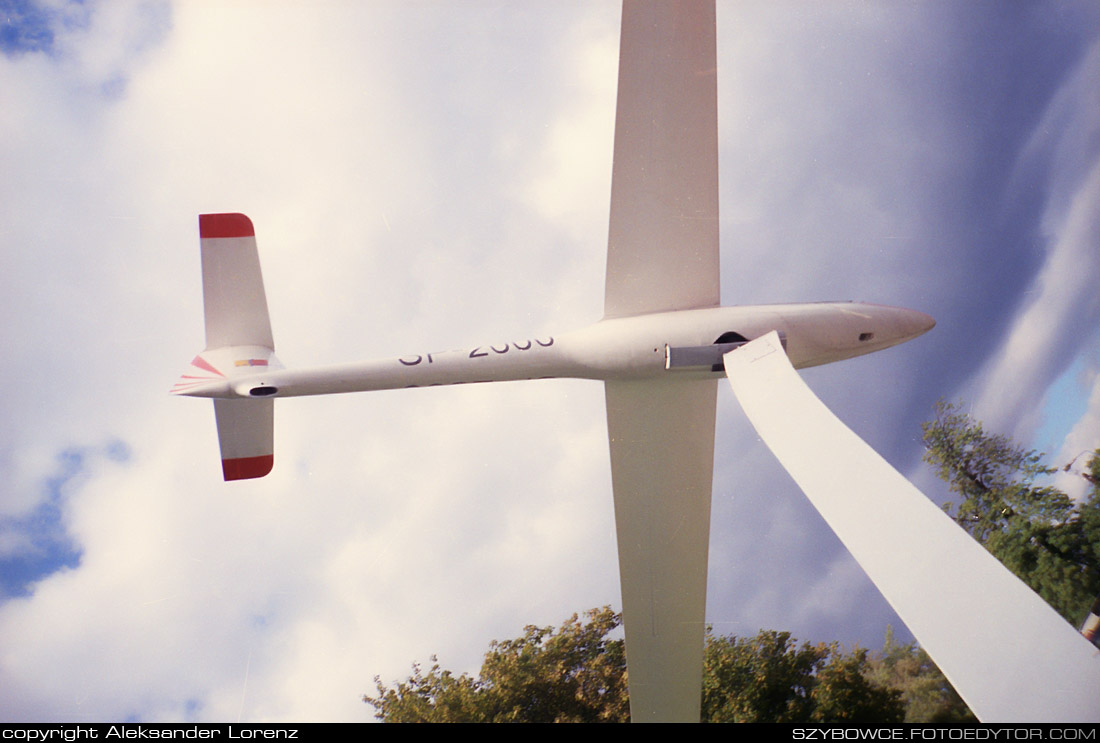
(225, 225)
(246, 468)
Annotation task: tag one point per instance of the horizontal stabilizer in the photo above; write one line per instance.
(1008, 653)
(246, 433)
(232, 287)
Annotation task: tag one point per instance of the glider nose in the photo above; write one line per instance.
(894, 325)
(914, 323)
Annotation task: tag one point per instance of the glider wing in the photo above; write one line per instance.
(662, 461)
(1010, 656)
(662, 249)
(662, 255)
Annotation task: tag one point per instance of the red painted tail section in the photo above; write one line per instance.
(246, 468)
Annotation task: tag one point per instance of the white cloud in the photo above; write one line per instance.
(1062, 308)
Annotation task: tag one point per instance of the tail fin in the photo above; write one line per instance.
(237, 323)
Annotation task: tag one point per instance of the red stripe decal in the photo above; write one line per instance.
(225, 225)
(246, 468)
(202, 363)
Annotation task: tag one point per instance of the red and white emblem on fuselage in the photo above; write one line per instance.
(200, 374)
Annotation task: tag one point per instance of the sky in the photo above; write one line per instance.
(429, 175)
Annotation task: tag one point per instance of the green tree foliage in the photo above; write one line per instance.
(845, 693)
(577, 673)
(770, 678)
(927, 694)
(1051, 542)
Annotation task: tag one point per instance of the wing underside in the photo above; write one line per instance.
(662, 255)
(662, 459)
(663, 240)
(1010, 656)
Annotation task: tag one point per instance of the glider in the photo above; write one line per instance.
(660, 348)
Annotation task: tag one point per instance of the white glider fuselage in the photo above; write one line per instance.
(613, 349)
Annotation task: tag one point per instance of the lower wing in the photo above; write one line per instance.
(662, 460)
(1008, 654)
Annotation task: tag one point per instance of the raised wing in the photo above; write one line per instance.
(663, 242)
(663, 255)
(1009, 655)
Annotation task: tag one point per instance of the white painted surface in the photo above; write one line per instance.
(662, 251)
(1010, 656)
(662, 459)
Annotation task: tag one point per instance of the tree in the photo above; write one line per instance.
(770, 678)
(927, 694)
(845, 693)
(578, 674)
(1049, 541)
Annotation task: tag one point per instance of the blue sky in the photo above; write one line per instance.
(26, 27)
(432, 175)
